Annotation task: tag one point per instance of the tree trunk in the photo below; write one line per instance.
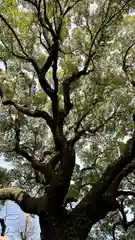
(64, 229)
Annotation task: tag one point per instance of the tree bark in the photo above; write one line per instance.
(76, 225)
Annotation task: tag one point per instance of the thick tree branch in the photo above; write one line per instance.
(66, 89)
(60, 182)
(40, 178)
(124, 162)
(123, 173)
(123, 222)
(100, 199)
(52, 59)
(32, 113)
(19, 196)
(125, 193)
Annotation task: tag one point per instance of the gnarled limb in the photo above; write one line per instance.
(32, 113)
(76, 75)
(125, 193)
(58, 188)
(25, 56)
(102, 198)
(66, 89)
(125, 67)
(19, 196)
(14, 34)
(45, 169)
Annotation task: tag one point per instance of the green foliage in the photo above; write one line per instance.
(104, 91)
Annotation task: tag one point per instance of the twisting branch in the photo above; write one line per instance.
(125, 66)
(45, 24)
(124, 217)
(60, 7)
(114, 228)
(76, 75)
(48, 22)
(123, 173)
(85, 115)
(123, 221)
(125, 193)
(40, 178)
(48, 42)
(32, 113)
(66, 88)
(79, 134)
(51, 58)
(71, 7)
(43, 168)
(54, 66)
(25, 57)
(120, 168)
(128, 224)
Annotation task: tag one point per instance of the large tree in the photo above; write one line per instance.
(67, 94)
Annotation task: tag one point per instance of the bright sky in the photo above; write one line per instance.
(16, 221)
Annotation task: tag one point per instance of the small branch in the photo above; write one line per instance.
(85, 115)
(124, 218)
(71, 7)
(123, 173)
(123, 222)
(50, 28)
(113, 229)
(80, 133)
(60, 7)
(54, 66)
(125, 66)
(50, 59)
(55, 104)
(43, 168)
(14, 34)
(48, 46)
(41, 20)
(25, 57)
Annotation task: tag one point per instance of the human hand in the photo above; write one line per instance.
(3, 238)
